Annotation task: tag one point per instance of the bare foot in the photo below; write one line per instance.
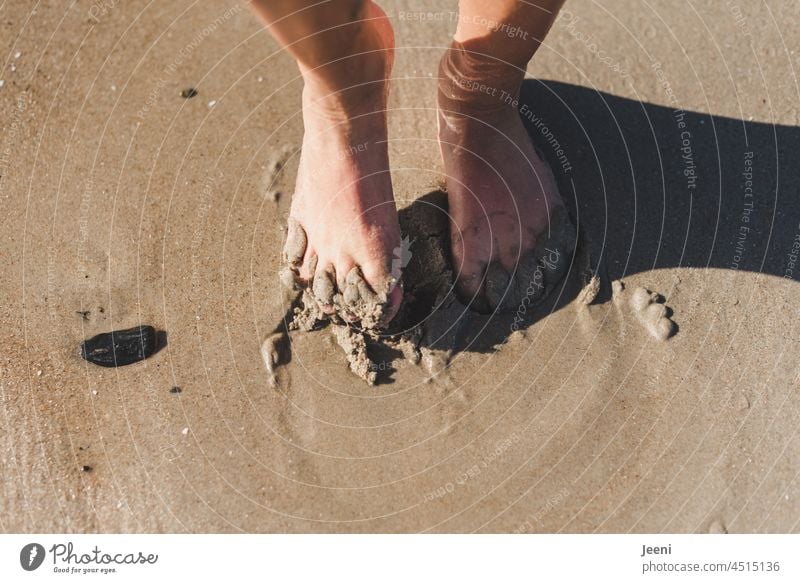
(510, 236)
(343, 225)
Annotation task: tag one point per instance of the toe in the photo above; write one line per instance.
(393, 303)
(374, 305)
(296, 243)
(530, 281)
(470, 290)
(309, 267)
(496, 289)
(352, 294)
(324, 288)
(379, 285)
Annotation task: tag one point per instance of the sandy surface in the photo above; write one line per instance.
(125, 201)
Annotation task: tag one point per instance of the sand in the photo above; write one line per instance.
(432, 318)
(656, 389)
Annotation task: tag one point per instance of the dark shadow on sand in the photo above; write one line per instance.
(654, 187)
(650, 187)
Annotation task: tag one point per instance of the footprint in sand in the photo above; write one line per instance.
(648, 307)
(273, 181)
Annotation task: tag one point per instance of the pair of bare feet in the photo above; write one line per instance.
(501, 195)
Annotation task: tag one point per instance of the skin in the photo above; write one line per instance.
(500, 193)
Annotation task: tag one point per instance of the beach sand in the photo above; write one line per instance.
(673, 133)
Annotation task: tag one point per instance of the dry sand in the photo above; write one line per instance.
(673, 132)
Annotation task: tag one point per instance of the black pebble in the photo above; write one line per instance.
(175, 390)
(189, 93)
(86, 468)
(120, 347)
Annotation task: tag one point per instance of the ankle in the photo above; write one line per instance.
(344, 102)
(357, 78)
(474, 83)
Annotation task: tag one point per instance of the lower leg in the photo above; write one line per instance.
(343, 222)
(494, 42)
(340, 45)
(501, 194)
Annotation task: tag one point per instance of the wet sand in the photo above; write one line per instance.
(673, 133)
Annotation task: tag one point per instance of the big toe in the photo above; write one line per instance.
(381, 291)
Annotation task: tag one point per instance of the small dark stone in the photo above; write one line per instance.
(175, 390)
(86, 468)
(189, 93)
(83, 314)
(120, 347)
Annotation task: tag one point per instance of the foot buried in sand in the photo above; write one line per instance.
(511, 237)
(538, 272)
(431, 320)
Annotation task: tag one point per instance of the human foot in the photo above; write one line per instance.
(511, 238)
(343, 225)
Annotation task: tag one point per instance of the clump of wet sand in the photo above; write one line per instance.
(432, 322)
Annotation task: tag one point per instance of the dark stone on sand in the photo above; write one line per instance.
(189, 93)
(120, 347)
(86, 468)
(175, 390)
